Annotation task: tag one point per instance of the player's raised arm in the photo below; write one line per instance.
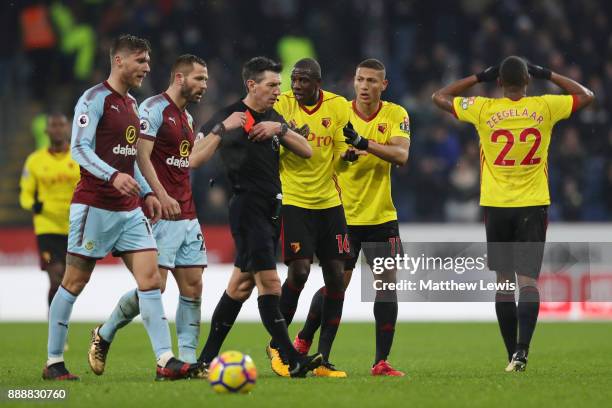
(582, 95)
(443, 98)
(206, 147)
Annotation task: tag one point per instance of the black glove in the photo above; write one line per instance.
(37, 207)
(489, 74)
(350, 156)
(353, 137)
(539, 72)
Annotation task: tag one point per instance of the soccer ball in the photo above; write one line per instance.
(232, 371)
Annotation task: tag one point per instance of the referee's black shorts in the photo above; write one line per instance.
(387, 234)
(515, 239)
(52, 249)
(306, 232)
(254, 230)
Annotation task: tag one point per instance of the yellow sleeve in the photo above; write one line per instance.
(27, 185)
(340, 146)
(281, 106)
(400, 126)
(561, 106)
(468, 108)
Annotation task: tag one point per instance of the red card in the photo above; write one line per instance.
(250, 121)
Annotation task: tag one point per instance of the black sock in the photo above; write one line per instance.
(289, 300)
(223, 318)
(313, 320)
(331, 314)
(274, 322)
(385, 315)
(288, 303)
(528, 309)
(505, 309)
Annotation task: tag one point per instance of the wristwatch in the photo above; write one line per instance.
(283, 130)
(218, 129)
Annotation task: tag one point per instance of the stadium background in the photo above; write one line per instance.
(52, 51)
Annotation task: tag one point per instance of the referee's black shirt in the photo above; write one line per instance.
(250, 166)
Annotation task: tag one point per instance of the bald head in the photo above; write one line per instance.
(513, 72)
(308, 67)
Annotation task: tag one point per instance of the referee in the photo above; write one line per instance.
(47, 182)
(248, 135)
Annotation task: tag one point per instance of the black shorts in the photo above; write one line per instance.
(254, 230)
(52, 249)
(525, 227)
(307, 232)
(387, 232)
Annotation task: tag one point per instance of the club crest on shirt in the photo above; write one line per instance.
(130, 134)
(467, 102)
(184, 148)
(326, 122)
(382, 127)
(295, 247)
(89, 245)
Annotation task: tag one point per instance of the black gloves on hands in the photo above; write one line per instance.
(353, 138)
(37, 207)
(350, 156)
(539, 72)
(489, 74)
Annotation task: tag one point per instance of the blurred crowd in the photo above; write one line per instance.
(423, 44)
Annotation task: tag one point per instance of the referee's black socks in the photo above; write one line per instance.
(223, 319)
(505, 309)
(528, 309)
(274, 322)
(290, 295)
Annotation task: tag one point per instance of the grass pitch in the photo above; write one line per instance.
(448, 364)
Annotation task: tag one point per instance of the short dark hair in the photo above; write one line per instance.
(372, 63)
(129, 42)
(184, 64)
(513, 71)
(311, 65)
(255, 68)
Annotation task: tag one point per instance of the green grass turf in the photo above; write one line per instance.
(448, 364)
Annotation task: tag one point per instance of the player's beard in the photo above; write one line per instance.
(189, 94)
